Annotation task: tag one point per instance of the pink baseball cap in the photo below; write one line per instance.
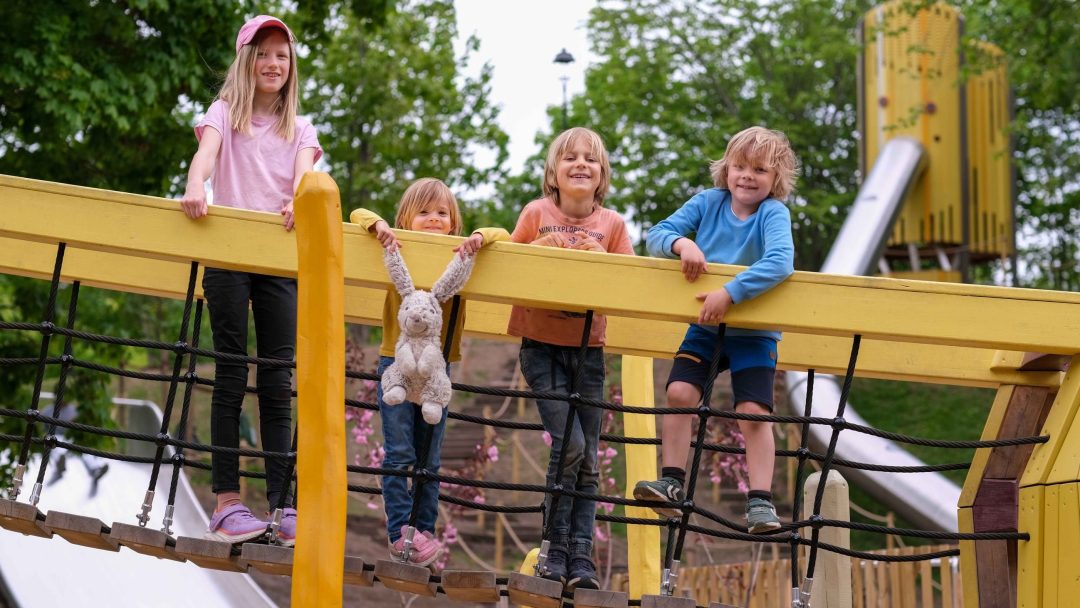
(252, 27)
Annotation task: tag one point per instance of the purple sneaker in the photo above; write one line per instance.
(286, 533)
(235, 524)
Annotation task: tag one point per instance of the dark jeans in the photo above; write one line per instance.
(404, 431)
(273, 303)
(547, 367)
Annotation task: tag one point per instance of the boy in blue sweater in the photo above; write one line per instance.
(741, 221)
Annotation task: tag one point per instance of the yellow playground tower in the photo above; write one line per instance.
(918, 78)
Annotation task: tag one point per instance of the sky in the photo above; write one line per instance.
(520, 39)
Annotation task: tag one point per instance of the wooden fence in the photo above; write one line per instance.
(875, 584)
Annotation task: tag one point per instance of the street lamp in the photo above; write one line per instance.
(564, 59)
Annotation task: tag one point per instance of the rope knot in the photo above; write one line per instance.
(161, 439)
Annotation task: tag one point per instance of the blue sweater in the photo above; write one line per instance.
(762, 242)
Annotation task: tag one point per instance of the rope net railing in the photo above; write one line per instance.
(44, 430)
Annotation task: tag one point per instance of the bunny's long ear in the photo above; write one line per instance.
(453, 278)
(399, 274)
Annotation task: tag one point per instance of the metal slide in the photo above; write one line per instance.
(928, 500)
(48, 573)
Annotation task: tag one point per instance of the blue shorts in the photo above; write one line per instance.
(751, 359)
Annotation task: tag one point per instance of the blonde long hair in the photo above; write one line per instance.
(420, 193)
(239, 89)
(564, 142)
(760, 145)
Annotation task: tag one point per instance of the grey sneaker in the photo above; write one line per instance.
(761, 516)
(664, 489)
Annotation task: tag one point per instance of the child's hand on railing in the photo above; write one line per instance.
(553, 239)
(585, 242)
(386, 236)
(471, 245)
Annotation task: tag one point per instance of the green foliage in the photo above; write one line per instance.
(90, 92)
(676, 80)
(394, 105)
(101, 94)
(1039, 40)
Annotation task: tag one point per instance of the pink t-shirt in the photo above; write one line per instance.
(542, 217)
(255, 171)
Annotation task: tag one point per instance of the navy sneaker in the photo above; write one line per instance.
(556, 564)
(582, 574)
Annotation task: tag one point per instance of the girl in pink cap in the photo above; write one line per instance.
(254, 149)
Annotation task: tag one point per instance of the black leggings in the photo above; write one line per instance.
(273, 303)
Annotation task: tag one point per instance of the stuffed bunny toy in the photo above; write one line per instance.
(418, 373)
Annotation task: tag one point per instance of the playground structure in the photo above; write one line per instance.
(909, 330)
(1008, 339)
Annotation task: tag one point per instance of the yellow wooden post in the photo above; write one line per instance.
(318, 561)
(642, 542)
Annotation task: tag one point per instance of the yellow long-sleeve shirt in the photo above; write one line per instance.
(392, 304)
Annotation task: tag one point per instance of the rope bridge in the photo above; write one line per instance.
(947, 334)
(41, 430)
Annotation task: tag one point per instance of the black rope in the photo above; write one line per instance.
(695, 464)
(677, 527)
(46, 336)
(802, 454)
(61, 385)
(178, 361)
(185, 407)
(825, 466)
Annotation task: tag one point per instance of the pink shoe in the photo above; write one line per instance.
(425, 549)
(287, 530)
(235, 524)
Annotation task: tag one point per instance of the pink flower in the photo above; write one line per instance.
(547, 438)
(493, 453)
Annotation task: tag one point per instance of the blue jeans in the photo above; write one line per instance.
(548, 367)
(403, 430)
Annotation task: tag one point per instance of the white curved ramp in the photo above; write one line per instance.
(927, 500)
(43, 573)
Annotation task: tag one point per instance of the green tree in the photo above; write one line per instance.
(396, 105)
(676, 80)
(1039, 40)
(91, 93)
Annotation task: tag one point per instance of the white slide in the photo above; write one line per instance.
(927, 500)
(41, 573)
